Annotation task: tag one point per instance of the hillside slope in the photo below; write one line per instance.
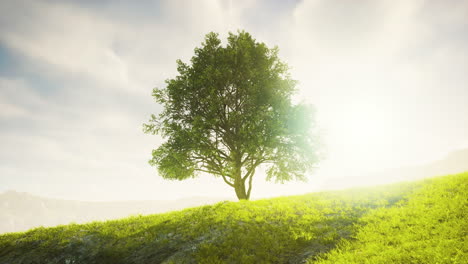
(430, 227)
(295, 229)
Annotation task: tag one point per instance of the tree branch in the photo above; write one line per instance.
(217, 173)
(250, 184)
(226, 181)
(208, 171)
(251, 171)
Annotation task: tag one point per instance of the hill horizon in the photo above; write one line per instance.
(20, 211)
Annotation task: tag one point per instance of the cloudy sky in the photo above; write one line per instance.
(388, 78)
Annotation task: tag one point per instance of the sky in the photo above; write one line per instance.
(388, 79)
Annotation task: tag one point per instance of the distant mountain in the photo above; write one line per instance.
(454, 162)
(21, 211)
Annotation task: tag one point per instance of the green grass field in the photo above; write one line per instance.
(418, 222)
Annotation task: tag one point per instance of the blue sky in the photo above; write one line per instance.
(388, 80)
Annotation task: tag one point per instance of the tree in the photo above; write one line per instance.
(228, 112)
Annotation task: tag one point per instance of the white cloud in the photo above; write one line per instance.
(120, 53)
(16, 99)
(69, 39)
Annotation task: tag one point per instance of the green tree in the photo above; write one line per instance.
(229, 111)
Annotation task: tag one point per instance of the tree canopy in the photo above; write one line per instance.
(230, 110)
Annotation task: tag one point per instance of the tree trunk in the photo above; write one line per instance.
(239, 184)
(239, 187)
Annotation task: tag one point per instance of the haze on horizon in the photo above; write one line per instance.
(388, 80)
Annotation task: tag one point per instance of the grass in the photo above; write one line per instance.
(419, 222)
(430, 227)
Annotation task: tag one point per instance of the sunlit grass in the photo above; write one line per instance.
(402, 223)
(430, 227)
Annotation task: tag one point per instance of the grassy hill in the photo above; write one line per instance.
(420, 222)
